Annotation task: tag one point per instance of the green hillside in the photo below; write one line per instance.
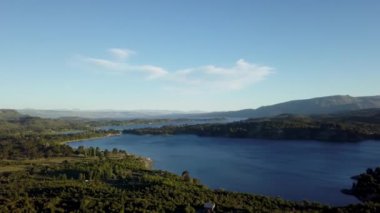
(350, 126)
(40, 174)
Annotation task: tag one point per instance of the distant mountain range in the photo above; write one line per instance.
(98, 114)
(314, 106)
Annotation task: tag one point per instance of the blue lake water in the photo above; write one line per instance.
(294, 170)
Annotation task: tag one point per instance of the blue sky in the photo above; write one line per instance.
(185, 55)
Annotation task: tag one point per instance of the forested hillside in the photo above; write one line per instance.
(38, 173)
(353, 126)
(312, 106)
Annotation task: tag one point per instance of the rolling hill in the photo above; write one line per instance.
(313, 106)
(349, 126)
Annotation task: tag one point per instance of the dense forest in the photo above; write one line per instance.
(39, 173)
(117, 182)
(352, 126)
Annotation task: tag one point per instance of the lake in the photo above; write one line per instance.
(294, 170)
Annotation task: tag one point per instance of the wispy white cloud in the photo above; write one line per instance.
(150, 71)
(120, 65)
(239, 76)
(206, 78)
(153, 71)
(121, 54)
(103, 63)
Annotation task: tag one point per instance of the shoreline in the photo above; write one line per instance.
(90, 138)
(147, 160)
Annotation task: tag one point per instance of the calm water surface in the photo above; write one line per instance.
(295, 170)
